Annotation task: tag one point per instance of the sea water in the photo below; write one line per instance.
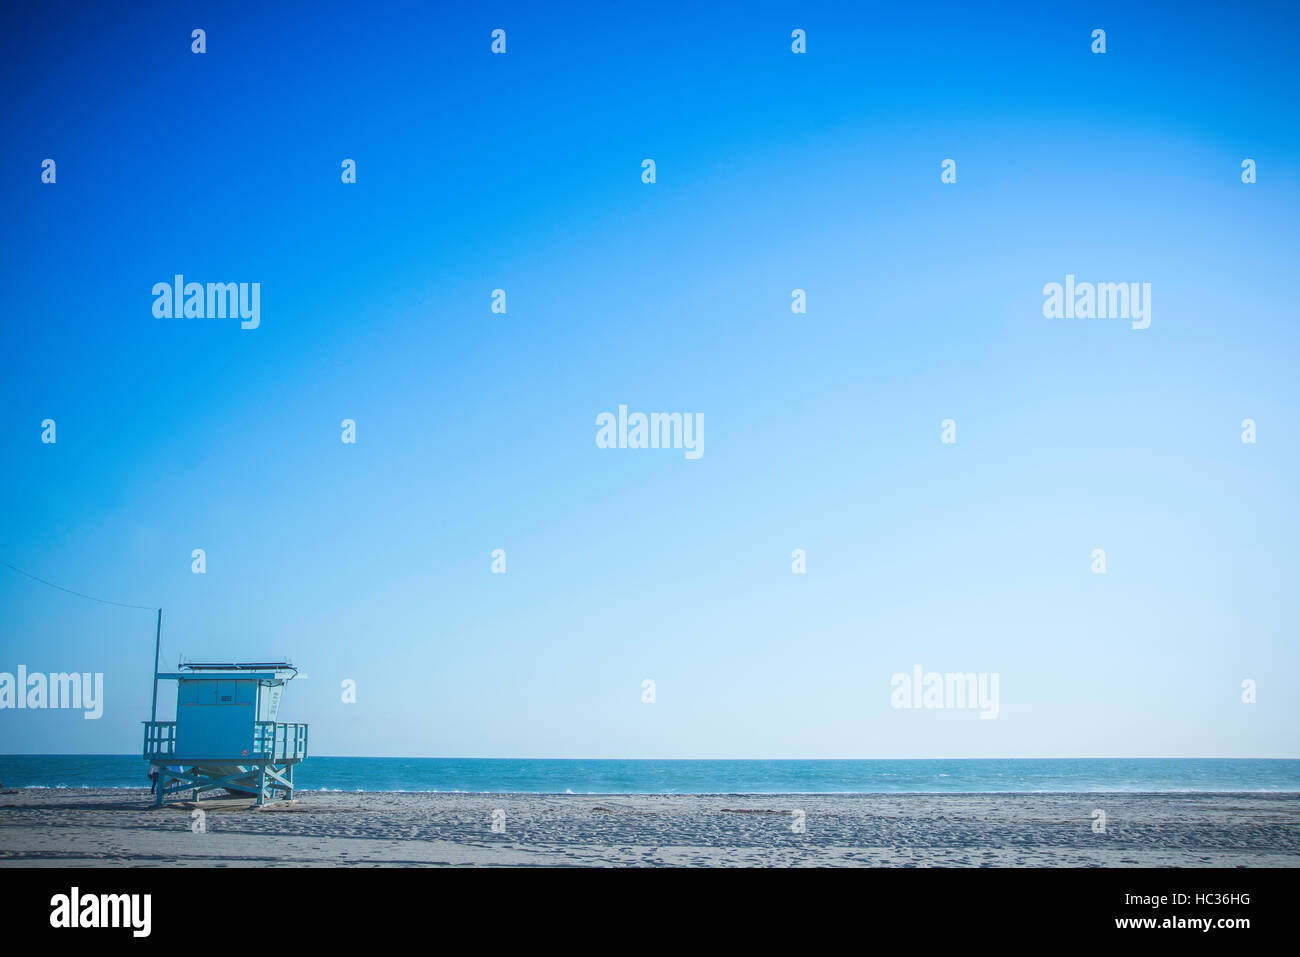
(545, 776)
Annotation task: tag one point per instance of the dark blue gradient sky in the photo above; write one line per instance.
(476, 431)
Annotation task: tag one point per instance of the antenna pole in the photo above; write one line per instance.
(157, 645)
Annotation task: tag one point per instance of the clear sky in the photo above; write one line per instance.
(476, 431)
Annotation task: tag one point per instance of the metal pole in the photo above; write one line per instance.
(157, 644)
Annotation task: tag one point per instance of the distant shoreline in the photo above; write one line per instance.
(323, 774)
(1135, 792)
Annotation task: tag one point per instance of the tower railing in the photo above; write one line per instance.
(272, 741)
(280, 741)
(159, 738)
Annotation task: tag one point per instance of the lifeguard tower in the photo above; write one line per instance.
(225, 736)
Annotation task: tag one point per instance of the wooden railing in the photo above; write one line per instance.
(272, 741)
(279, 741)
(159, 738)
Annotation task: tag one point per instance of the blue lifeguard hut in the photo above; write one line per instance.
(226, 735)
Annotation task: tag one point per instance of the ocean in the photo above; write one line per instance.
(544, 776)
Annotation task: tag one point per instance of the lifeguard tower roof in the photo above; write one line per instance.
(239, 666)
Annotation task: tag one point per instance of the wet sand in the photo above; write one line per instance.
(108, 828)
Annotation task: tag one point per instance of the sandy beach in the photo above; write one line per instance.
(65, 827)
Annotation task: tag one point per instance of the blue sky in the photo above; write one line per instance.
(476, 431)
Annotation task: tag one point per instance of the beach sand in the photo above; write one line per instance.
(65, 827)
